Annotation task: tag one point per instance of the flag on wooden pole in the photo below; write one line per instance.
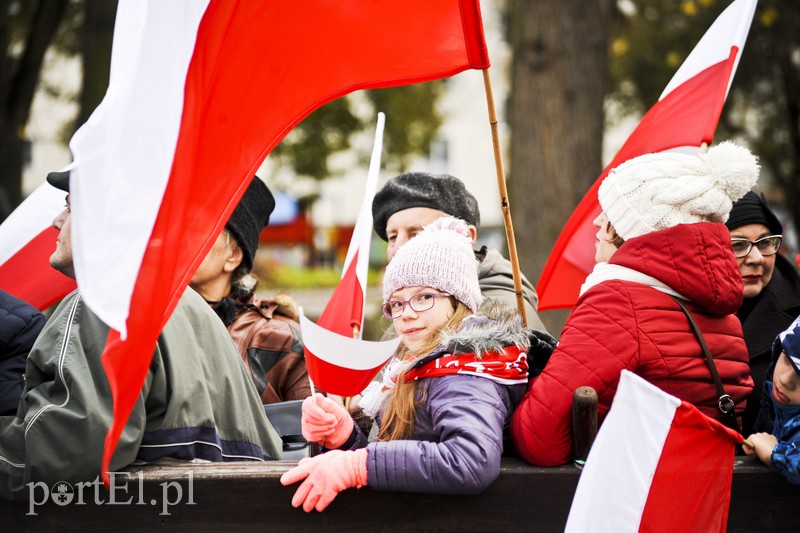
(199, 94)
(684, 118)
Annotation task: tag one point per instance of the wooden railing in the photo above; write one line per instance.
(248, 496)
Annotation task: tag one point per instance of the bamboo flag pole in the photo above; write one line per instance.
(501, 185)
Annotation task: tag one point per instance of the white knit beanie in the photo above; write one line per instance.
(657, 191)
(440, 257)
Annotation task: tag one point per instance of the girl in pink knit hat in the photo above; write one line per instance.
(446, 396)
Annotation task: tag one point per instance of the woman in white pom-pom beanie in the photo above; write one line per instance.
(660, 237)
(447, 396)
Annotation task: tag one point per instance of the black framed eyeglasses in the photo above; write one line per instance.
(767, 246)
(393, 309)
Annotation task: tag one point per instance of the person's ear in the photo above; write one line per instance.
(233, 258)
(473, 233)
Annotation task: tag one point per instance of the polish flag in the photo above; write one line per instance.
(200, 91)
(684, 118)
(339, 364)
(344, 313)
(27, 240)
(657, 464)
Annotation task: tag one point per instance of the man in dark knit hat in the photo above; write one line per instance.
(771, 288)
(265, 331)
(410, 201)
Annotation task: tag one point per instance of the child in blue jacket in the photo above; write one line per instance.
(781, 448)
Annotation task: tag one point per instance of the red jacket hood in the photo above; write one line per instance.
(695, 260)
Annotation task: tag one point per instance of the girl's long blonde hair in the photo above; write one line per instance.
(398, 418)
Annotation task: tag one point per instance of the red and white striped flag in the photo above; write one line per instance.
(345, 310)
(200, 92)
(27, 240)
(657, 464)
(684, 118)
(339, 364)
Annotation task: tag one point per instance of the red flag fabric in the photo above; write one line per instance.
(657, 464)
(684, 118)
(198, 96)
(27, 240)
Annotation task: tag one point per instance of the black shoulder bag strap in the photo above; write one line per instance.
(725, 402)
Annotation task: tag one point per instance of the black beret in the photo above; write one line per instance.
(753, 209)
(59, 180)
(442, 192)
(250, 217)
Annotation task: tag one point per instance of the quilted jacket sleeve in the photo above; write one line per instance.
(599, 340)
(462, 456)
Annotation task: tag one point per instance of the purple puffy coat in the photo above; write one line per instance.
(458, 429)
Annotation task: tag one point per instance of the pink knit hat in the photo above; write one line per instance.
(440, 257)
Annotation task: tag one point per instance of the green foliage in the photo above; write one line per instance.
(411, 125)
(412, 120)
(651, 38)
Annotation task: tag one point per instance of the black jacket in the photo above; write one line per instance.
(762, 320)
(20, 324)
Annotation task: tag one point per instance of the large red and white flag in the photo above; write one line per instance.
(339, 364)
(344, 313)
(27, 240)
(200, 92)
(657, 464)
(684, 118)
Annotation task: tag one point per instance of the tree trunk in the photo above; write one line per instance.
(96, 37)
(559, 79)
(18, 81)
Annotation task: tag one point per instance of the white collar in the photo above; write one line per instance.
(607, 272)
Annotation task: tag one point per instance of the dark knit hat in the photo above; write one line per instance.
(753, 209)
(59, 180)
(442, 192)
(250, 217)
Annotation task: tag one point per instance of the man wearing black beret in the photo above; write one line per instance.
(410, 201)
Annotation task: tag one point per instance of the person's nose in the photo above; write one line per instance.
(754, 257)
(411, 313)
(596, 222)
(786, 379)
(58, 222)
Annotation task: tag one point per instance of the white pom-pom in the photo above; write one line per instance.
(449, 223)
(734, 168)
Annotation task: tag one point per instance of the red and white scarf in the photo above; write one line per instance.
(508, 367)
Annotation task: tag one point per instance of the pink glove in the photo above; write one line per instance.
(325, 421)
(326, 476)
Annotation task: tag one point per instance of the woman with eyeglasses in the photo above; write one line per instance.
(660, 241)
(771, 288)
(447, 395)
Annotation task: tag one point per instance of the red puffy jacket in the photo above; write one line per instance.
(620, 324)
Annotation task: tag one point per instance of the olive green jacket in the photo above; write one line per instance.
(197, 402)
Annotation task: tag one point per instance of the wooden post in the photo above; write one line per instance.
(584, 422)
(501, 185)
